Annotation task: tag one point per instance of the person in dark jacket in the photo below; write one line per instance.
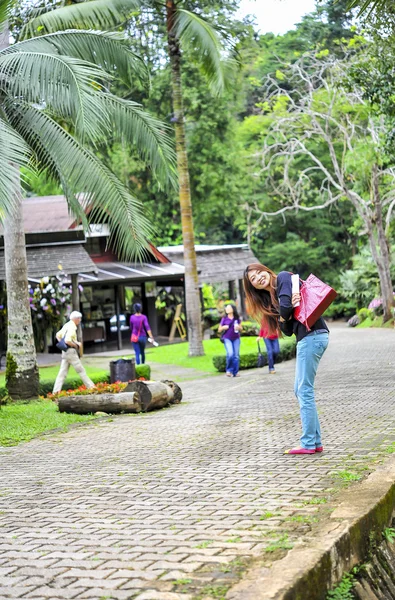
(269, 298)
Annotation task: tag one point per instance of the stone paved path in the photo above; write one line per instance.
(164, 506)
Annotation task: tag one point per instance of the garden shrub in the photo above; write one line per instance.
(46, 385)
(249, 361)
(250, 328)
(363, 314)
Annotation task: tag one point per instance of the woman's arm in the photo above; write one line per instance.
(222, 327)
(148, 328)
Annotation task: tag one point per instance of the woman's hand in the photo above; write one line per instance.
(295, 299)
(238, 328)
(223, 328)
(259, 339)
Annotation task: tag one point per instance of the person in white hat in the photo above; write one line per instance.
(71, 355)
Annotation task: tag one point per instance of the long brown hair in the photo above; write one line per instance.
(262, 304)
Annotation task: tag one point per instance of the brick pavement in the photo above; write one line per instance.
(168, 505)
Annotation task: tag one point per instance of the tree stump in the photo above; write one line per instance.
(153, 394)
(177, 392)
(127, 402)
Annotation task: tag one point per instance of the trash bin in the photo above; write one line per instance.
(123, 369)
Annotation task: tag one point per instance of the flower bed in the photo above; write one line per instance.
(99, 388)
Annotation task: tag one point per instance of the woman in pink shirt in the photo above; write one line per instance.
(139, 327)
(272, 346)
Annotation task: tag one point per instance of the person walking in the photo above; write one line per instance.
(231, 325)
(139, 327)
(269, 297)
(71, 355)
(272, 346)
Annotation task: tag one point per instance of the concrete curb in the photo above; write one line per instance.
(318, 562)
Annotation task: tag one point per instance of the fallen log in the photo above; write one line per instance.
(126, 402)
(177, 392)
(153, 394)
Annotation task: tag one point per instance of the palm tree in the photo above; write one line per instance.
(183, 27)
(369, 5)
(66, 76)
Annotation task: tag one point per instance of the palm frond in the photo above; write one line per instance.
(149, 135)
(87, 179)
(105, 49)
(95, 14)
(14, 153)
(198, 34)
(367, 6)
(64, 84)
(5, 10)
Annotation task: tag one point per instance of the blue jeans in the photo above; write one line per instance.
(139, 349)
(232, 348)
(273, 349)
(309, 352)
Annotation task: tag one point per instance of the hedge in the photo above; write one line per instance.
(46, 385)
(249, 361)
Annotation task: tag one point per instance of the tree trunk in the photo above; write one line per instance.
(153, 394)
(109, 403)
(22, 371)
(192, 299)
(383, 260)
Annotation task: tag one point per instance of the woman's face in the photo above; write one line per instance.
(259, 279)
(228, 309)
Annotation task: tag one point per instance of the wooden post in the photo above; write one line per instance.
(232, 290)
(242, 300)
(118, 311)
(75, 303)
(144, 306)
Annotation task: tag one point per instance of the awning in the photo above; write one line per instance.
(120, 272)
(44, 261)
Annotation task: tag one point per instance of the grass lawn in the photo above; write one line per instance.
(20, 422)
(177, 354)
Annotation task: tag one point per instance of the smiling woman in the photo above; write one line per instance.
(270, 299)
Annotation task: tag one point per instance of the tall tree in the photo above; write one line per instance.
(185, 25)
(61, 75)
(323, 146)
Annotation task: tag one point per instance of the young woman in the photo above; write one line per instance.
(272, 346)
(270, 298)
(139, 327)
(232, 327)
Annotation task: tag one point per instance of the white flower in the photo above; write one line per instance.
(43, 302)
(45, 280)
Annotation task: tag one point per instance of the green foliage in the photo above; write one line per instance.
(60, 76)
(250, 328)
(344, 590)
(364, 313)
(389, 534)
(249, 361)
(347, 476)
(167, 301)
(282, 543)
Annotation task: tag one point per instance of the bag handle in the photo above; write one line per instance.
(259, 347)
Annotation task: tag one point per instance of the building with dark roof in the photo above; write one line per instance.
(54, 240)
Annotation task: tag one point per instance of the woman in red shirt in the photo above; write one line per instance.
(272, 346)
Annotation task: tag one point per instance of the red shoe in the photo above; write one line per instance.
(299, 451)
(319, 449)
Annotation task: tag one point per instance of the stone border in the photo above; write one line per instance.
(317, 563)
